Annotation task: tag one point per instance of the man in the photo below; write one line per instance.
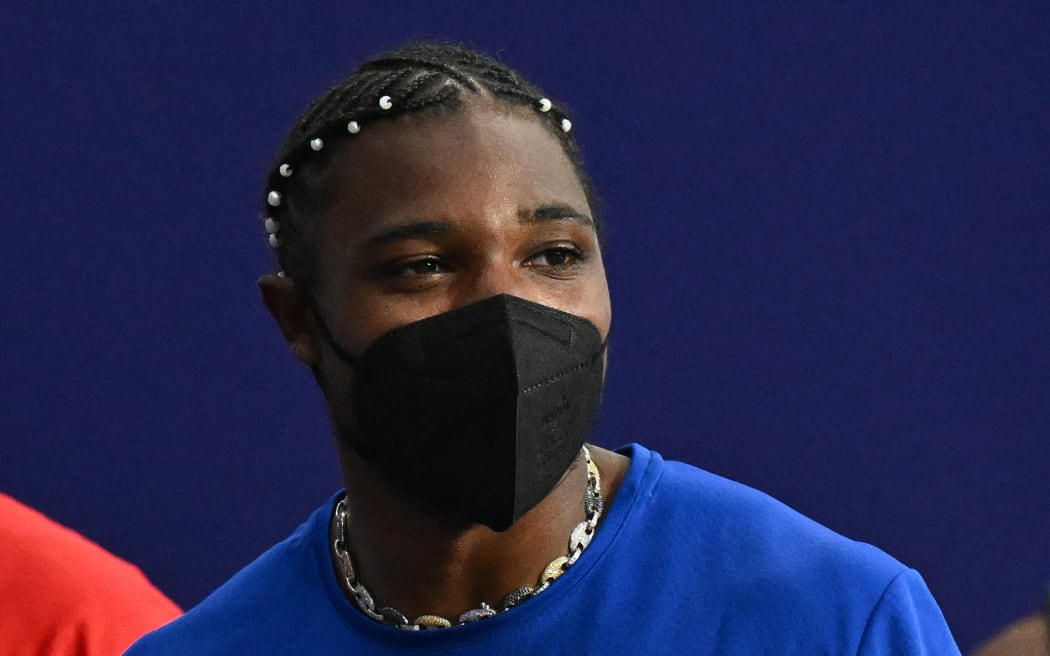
(63, 595)
(442, 276)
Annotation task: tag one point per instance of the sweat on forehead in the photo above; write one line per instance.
(419, 78)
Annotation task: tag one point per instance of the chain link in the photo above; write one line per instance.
(579, 540)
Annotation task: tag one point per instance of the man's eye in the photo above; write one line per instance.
(427, 266)
(559, 257)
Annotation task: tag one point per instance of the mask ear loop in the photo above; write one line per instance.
(605, 346)
(345, 432)
(344, 355)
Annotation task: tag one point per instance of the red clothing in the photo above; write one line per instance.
(61, 594)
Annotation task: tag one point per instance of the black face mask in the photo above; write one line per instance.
(478, 412)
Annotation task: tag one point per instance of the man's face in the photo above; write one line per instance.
(431, 213)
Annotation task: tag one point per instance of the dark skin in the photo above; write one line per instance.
(432, 213)
(1027, 637)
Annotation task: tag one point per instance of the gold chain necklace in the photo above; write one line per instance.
(579, 539)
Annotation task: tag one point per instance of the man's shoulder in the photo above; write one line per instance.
(70, 590)
(244, 612)
(753, 561)
(744, 542)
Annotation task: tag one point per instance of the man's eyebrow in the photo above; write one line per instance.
(411, 230)
(556, 212)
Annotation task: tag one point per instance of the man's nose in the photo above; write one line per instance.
(493, 279)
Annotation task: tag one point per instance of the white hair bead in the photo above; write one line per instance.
(273, 198)
(385, 102)
(272, 226)
(280, 274)
(545, 105)
(285, 171)
(316, 143)
(274, 241)
(566, 124)
(353, 127)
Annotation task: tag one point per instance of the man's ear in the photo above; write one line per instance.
(290, 309)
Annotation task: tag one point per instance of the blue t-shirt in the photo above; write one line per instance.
(684, 562)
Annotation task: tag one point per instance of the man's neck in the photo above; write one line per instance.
(421, 564)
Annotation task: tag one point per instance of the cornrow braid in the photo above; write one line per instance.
(415, 78)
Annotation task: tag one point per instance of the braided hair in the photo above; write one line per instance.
(421, 77)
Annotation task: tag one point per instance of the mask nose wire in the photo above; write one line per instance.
(355, 362)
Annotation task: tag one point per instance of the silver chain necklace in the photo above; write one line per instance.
(579, 539)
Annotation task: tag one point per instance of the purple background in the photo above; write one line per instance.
(828, 247)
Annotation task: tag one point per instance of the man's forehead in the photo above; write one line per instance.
(390, 179)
